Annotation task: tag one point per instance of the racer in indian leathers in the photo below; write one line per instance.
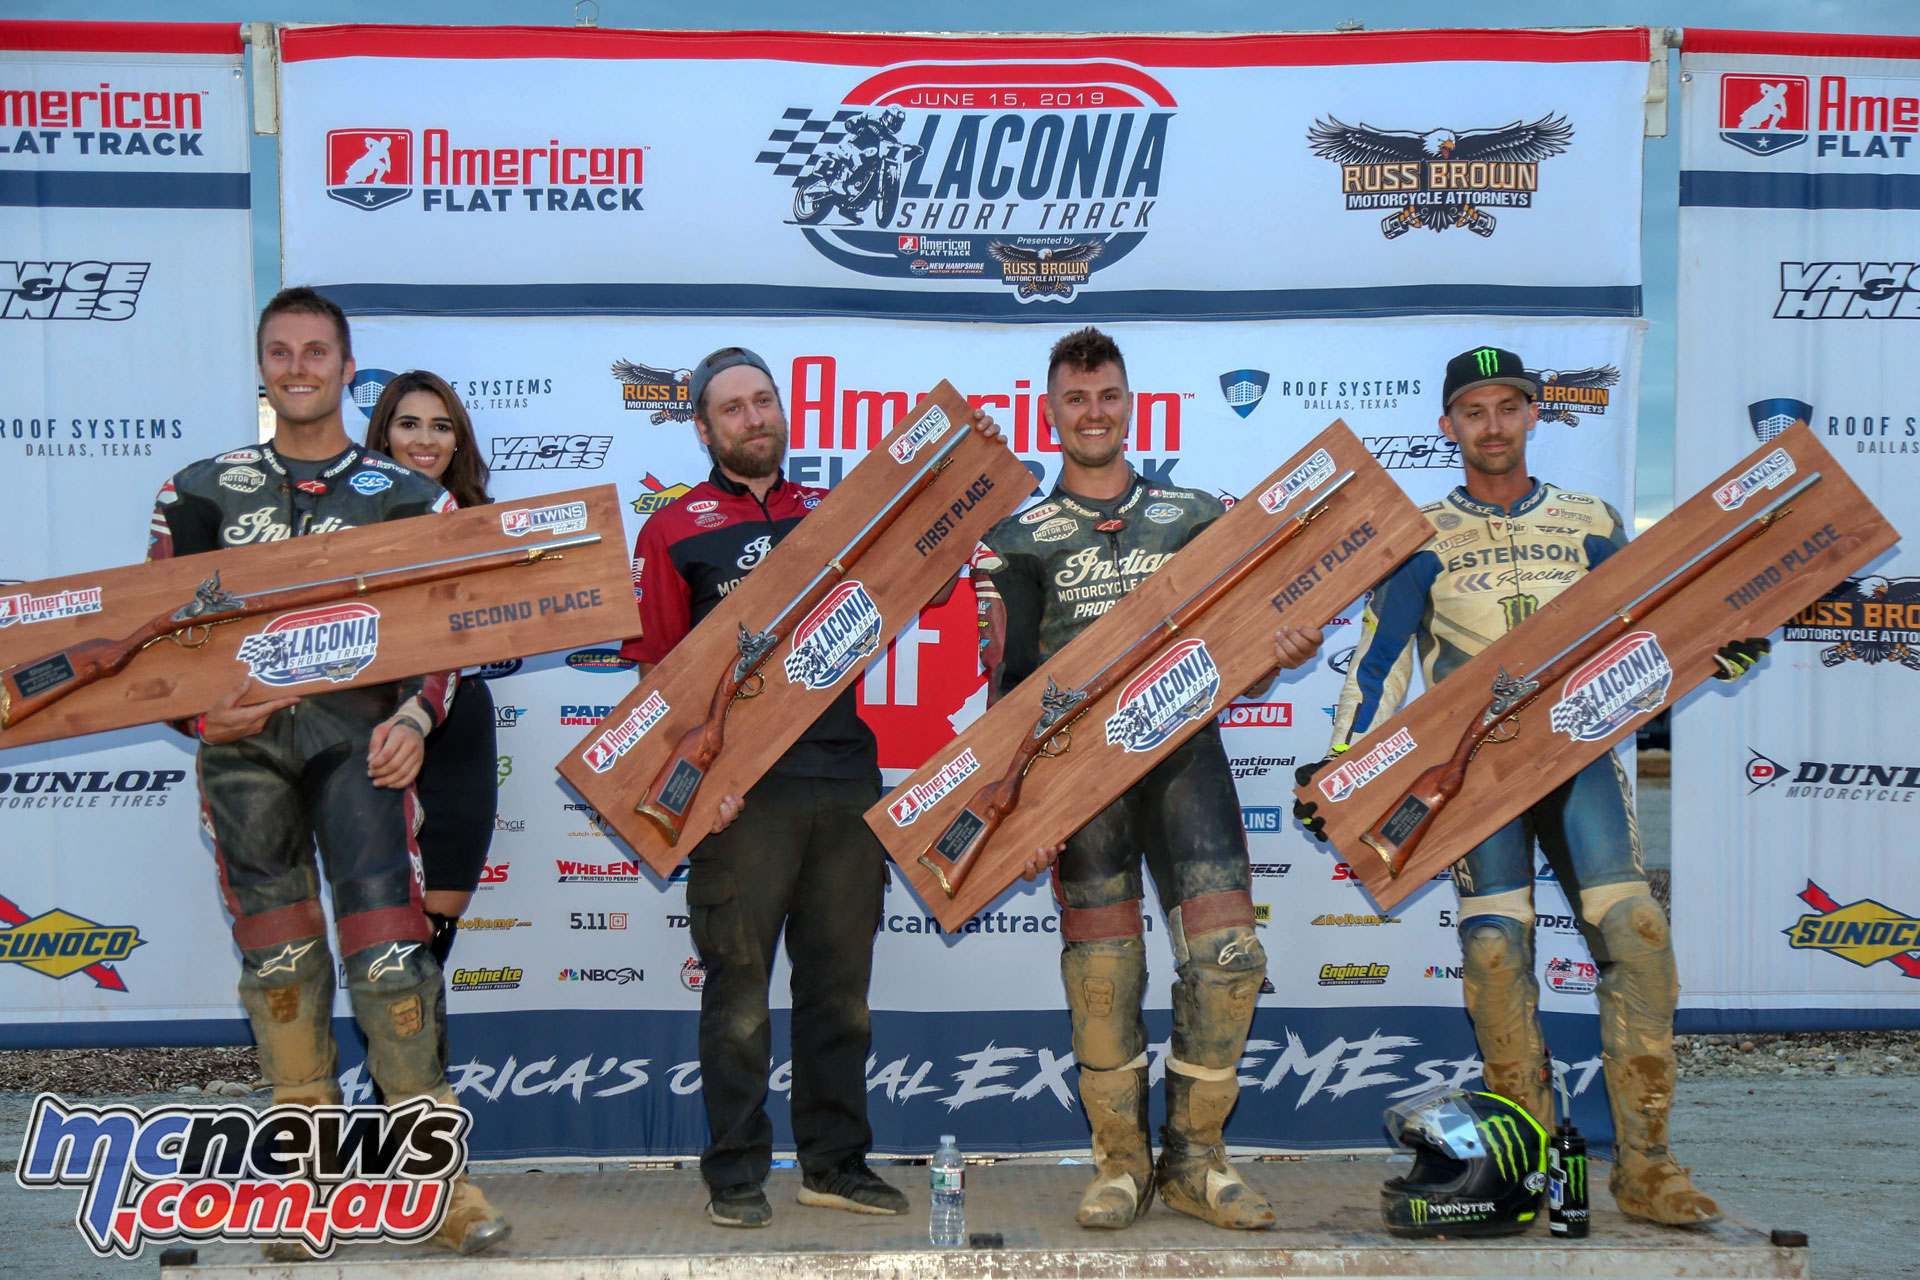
(1052, 571)
(1504, 543)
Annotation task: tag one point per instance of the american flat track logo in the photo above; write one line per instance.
(1863, 933)
(1029, 175)
(1439, 178)
(59, 944)
(606, 750)
(369, 168)
(1763, 115)
(1628, 678)
(334, 643)
(24, 607)
(842, 631)
(1176, 689)
(1357, 772)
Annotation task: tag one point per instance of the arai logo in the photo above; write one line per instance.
(335, 643)
(842, 631)
(1176, 689)
(1628, 678)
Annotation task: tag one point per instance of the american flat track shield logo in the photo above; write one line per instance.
(369, 168)
(1031, 175)
(1628, 678)
(334, 643)
(1177, 688)
(1439, 178)
(1763, 115)
(60, 944)
(605, 751)
(1244, 389)
(842, 631)
(1863, 933)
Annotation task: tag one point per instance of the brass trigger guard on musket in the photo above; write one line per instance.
(751, 686)
(1064, 737)
(1511, 725)
(185, 638)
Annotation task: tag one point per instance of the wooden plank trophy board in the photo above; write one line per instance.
(1307, 541)
(745, 684)
(165, 641)
(1529, 711)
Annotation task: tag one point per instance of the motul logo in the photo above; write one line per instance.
(1257, 715)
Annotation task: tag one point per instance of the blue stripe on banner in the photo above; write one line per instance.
(69, 189)
(1145, 304)
(1727, 1022)
(1722, 189)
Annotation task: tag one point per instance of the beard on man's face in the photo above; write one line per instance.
(754, 456)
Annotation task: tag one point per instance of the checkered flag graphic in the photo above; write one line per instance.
(802, 134)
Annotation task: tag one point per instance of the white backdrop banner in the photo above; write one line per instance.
(522, 171)
(1794, 902)
(126, 286)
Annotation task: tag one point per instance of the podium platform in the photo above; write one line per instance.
(650, 1223)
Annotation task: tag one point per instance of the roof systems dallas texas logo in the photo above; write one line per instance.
(1439, 178)
(1038, 174)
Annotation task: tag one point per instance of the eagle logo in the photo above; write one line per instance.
(1443, 177)
(1566, 393)
(665, 391)
(1042, 273)
(1868, 612)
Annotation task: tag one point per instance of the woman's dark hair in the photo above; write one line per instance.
(466, 474)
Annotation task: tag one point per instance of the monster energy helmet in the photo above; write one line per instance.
(1479, 1165)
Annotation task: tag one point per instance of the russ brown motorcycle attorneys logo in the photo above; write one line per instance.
(1439, 178)
(1031, 175)
(666, 392)
(1567, 394)
(1868, 620)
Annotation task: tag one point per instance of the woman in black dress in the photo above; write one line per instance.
(420, 423)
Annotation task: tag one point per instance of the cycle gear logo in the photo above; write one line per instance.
(1568, 394)
(1244, 389)
(369, 168)
(334, 643)
(1177, 688)
(665, 392)
(58, 944)
(1763, 115)
(1439, 178)
(1036, 175)
(1864, 933)
(842, 631)
(1870, 620)
(1627, 679)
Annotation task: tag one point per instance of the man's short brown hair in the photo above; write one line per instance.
(306, 302)
(1085, 350)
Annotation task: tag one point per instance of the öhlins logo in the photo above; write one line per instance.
(1439, 178)
(1863, 933)
(92, 290)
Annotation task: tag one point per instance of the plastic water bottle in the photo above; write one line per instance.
(947, 1227)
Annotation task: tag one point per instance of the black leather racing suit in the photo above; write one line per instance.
(268, 798)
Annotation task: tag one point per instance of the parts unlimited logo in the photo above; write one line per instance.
(1863, 933)
(1439, 178)
(1858, 118)
(89, 290)
(1034, 175)
(59, 944)
(371, 169)
(1870, 620)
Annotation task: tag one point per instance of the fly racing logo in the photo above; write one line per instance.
(285, 960)
(392, 960)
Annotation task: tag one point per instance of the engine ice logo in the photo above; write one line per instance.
(1770, 472)
(26, 607)
(566, 517)
(607, 749)
(842, 631)
(1176, 689)
(1244, 389)
(1309, 475)
(1628, 678)
(1030, 175)
(1863, 933)
(369, 168)
(90, 290)
(924, 795)
(1763, 115)
(930, 428)
(1439, 178)
(335, 643)
(1376, 760)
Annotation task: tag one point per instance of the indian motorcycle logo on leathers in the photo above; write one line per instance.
(333, 643)
(841, 632)
(1178, 688)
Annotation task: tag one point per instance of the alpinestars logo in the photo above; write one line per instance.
(369, 168)
(1037, 174)
(1848, 291)
(71, 290)
(1870, 620)
(1566, 394)
(1176, 689)
(1439, 178)
(666, 392)
(1763, 115)
(1863, 933)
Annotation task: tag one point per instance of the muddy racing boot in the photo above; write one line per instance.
(471, 1223)
(1122, 1187)
(1503, 999)
(1638, 990)
(1193, 1175)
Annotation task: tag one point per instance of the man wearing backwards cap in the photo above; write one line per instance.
(794, 854)
(1504, 544)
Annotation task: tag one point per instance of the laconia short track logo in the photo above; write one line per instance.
(1176, 689)
(335, 643)
(1439, 177)
(1027, 175)
(842, 631)
(1627, 679)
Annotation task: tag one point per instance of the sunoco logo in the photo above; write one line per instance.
(1439, 178)
(333, 643)
(657, 495)
(1566, 394)
(1770, 472)
(924, 795)
(666, 393)
(617, 741)
(1863, 933)
(25, 607)
(1306, 477)
(1870, 620)
(1358, 772)
(842, 631)
(1032, 174)
(1629, 678)
(1176, 689)
(60, 944)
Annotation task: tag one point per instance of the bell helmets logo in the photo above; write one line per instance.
(369, 168)
(1439, 178)
(1865, 933)
(842, 631)
(334, 643)
(1627, 679)
(1763, 115)
(1176, 689)
(58, 944)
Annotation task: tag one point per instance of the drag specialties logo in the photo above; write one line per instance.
(1566, 394)
(1365, 974)
(1572, 977)
(504, 978)
(1439, 178)
(842, 631)
(1244, 389)
(606, 750)
(1863, 933)
(1848, 291)
(922, 796)
(656, 497)
(1880, 781)
(1176, 689)
(1770, 472)
(618, 977)
(58, 944)
(932, 426)
(1034, 175)
(665, 393)
(91, 290)
(371, 169)
(1770, 417)
(1871, 620)
(1358, 771)
(1627, 679)
(334, 643)
(1414, 453)
(1305, 478)
(1257, 715)
(548, 453)
(25, 607)
(1763, 115)
(566, 517)
(507, 717)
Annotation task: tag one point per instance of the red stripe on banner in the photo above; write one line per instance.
(1810, 43)
(1612, 44)
(1117, 77)
(121, 37)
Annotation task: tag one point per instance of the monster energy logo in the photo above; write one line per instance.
(1574, 1174)
(1502, 1136)
(1518, 608)
(1418, 1210)
(1489, 361)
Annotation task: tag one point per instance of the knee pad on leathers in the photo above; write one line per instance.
(1503, 999)
(287, 990)
(1105, 983)
(398, 1000)
(1214, 999)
